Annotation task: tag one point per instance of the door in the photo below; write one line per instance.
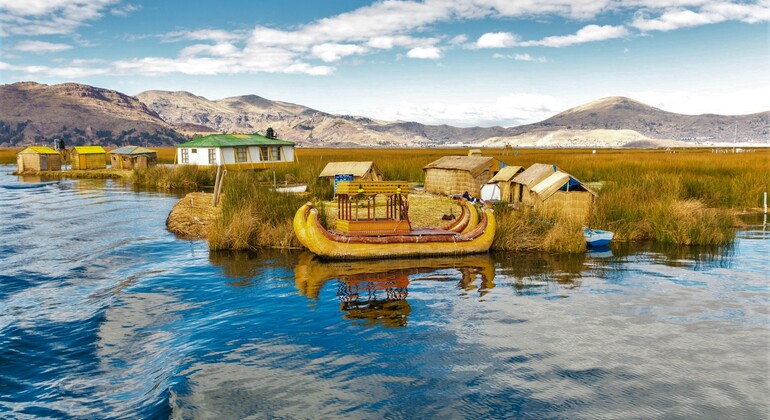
(43, 162)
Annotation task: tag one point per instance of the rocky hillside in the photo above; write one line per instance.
(34, 113)
(623, 121)
(298, 123)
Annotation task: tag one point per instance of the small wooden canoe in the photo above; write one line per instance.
(417, 243)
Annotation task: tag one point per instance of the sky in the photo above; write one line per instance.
(458, 62)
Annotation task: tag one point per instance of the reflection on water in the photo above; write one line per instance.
(376, 291)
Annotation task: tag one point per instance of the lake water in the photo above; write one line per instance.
(104, 314)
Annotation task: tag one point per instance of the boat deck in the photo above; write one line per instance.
(414, 232)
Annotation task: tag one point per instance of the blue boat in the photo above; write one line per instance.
(596, 237)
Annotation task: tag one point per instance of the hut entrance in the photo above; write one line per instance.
(357, 208)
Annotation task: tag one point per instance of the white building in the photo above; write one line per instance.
(235, 151)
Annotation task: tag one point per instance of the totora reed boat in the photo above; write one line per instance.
(369, 236)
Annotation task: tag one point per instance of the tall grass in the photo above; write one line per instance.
(182, 177)
(252, 215)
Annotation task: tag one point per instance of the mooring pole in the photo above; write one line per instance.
(765, 202)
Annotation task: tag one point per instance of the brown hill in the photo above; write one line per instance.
(620, 113)
(301, 124)
(33, 113)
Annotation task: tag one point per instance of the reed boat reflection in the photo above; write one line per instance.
(376, 292)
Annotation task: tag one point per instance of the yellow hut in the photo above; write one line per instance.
(88, 157)
(503, 182)
(550, 189)
(361, 171)
(457, 174)
(38, 158)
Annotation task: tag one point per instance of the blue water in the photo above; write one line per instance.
(105, 314)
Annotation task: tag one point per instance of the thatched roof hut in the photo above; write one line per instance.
(502, 182)
(457, 174)
(88, 157)
(361, 171)
(38, 158)
(548, 188)
(133, 157)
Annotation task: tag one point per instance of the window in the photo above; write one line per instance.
(276, 152)
(264, 154)
(184, 157)
(240, 155)
(212, 156)
(194, 150)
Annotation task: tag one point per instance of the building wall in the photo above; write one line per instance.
(226, 156)
(38, 162)
(450, 181)
(573, 205)
(132, 161)
(90, 161)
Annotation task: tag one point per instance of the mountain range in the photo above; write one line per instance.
(34, 113)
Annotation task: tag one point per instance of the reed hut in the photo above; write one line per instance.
(456, 174)
(133, 157)
(548, 188)
(88, 157)
(361, 171)
(38, 158)
(502, 183)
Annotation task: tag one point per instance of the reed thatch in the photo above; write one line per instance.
(192, 216)
(550, 189)
(458, 174)
(38, 158)
(361, 171)
(503, 180)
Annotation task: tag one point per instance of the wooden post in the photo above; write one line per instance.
(216, 186)
(765, 202)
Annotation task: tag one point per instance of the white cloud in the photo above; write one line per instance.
(40, 47)
(674, 18)
(431, 53)
(521, 57)
(48, 17)
(215, 35)
(334, 52)
(590, 33)
(497, 40)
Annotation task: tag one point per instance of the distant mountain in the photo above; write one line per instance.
(299, 123)
(36, 113)
(33, 113)
(622, 121)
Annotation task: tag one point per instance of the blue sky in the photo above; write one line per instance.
(461, 62)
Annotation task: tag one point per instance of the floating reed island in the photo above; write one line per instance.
(691, 197)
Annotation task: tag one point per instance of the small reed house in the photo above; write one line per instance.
(88, 157)
(457, 174)
(361, 171)
(236, 151)
(548, 188)
(132, 157)
(500, 187)
(38, 158)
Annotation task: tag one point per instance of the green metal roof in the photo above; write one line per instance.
(131, 150)
(234, 140)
